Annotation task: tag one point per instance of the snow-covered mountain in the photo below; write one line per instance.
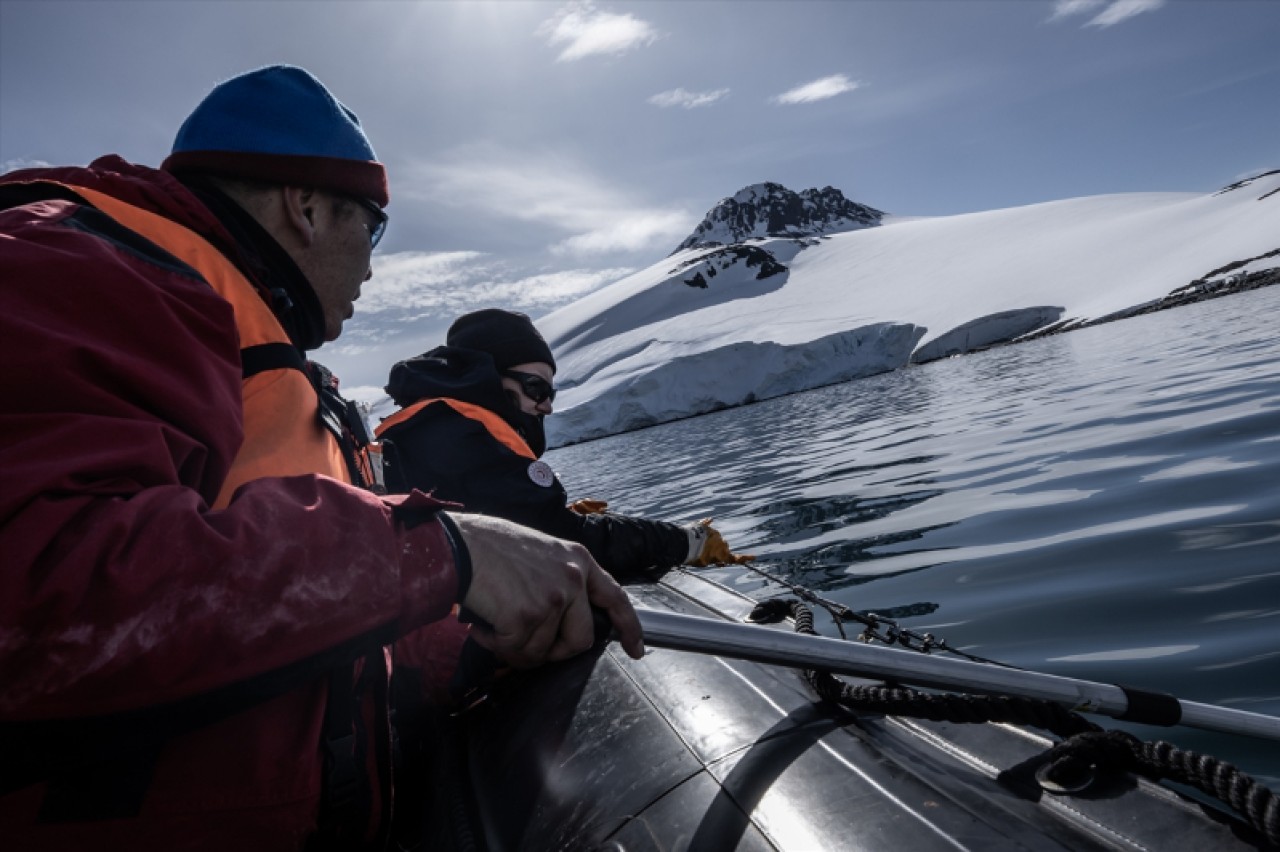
(772, 210)
(739, 313)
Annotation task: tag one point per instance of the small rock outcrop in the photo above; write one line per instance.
(713, 263)
(772, 210)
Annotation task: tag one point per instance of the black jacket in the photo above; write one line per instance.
(455, 456)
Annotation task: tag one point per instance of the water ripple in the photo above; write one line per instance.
(1101, 502)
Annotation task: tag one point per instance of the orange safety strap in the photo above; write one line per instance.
(500, 429)
(283, 434)
(370, 460)
(254, 319)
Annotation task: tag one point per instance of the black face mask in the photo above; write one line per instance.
(530, 428)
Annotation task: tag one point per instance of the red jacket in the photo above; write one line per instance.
(120, 588)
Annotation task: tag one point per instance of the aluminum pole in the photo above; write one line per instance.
(795, 650)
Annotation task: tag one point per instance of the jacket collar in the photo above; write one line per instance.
(467, 375)
(285, 288)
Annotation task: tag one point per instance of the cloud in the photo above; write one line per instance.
(818, 90)
(544, 291)
(413, 285)
(1122, 10)
(1227, 82)
(15, 165)
(688, 100)
(585, 31)
(1113, 11)
(415, 280)
(629, 232)
(1068, 8)
(550, 191)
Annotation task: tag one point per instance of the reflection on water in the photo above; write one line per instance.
(801, 521)
(1232, 536)
(1100, 504)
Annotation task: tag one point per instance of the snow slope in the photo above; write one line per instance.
(716, 326)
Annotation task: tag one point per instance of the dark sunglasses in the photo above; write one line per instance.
(536, 388)
(379, 227)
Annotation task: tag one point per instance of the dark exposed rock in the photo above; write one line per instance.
(1206, 283)
(710, 263)
(1209, 286)
(1241, 184)
(772, 210)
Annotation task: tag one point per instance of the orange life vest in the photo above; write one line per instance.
(283, 432)
(500, 429)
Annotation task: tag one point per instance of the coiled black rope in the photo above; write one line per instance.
(1086, 748)
(1122, 751)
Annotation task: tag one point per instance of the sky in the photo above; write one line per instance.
(539, 151)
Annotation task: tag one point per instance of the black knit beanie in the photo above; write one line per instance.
(509, 336)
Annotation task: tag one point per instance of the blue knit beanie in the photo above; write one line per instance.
(279, 124)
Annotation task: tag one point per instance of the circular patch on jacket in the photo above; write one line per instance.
(542, 474)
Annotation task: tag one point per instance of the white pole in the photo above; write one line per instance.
(795, 650)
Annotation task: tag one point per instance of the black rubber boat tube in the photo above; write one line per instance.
(778, 647)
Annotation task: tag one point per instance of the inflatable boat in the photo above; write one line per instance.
(698, 751)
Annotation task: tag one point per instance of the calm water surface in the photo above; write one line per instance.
(1103, 504)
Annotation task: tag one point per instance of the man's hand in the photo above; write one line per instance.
(535, 594)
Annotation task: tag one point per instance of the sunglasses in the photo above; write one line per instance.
(379, 227)
(536, 388)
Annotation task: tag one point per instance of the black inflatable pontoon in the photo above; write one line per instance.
(690, 751)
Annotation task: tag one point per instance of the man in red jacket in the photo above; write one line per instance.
(198, 606)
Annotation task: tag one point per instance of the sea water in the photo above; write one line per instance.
(1102, 504)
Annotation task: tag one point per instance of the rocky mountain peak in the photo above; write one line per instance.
(771, 210)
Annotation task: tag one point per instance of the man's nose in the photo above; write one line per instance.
(368, 273)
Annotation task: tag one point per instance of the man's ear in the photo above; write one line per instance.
(299, 208)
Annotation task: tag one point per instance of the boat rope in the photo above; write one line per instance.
(1076, 759)
(875, 627)
(1086, 750)
(938, 707)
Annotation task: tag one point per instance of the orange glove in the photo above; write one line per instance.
(588, 507)
(715, 550)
